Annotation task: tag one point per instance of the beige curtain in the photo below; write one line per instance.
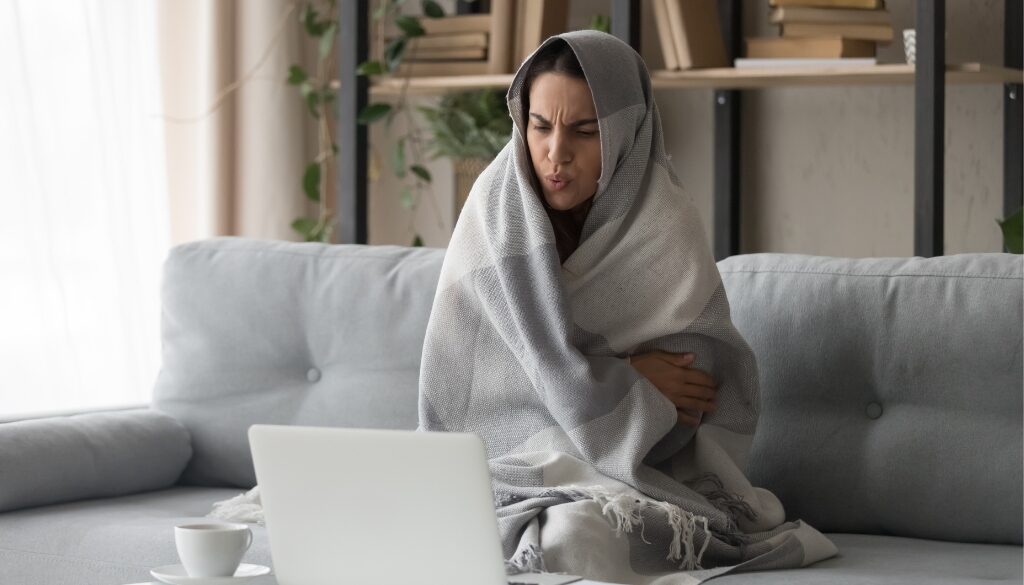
(238, 136)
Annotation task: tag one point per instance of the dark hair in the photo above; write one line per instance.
(557, 57)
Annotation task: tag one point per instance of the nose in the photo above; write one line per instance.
(559, 149)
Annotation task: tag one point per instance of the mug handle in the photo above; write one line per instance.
(248, 543)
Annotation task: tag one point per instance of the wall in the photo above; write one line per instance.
(826, 171)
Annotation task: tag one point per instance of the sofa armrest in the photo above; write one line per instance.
(102, 454)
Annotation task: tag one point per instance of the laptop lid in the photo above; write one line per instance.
(377, 506)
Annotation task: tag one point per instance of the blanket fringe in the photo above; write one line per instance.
(528, 559)
(626, 512)
(245, 507)
(730, 503)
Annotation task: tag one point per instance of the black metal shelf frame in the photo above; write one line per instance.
(929, 122)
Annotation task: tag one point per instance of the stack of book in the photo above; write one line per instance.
(480, 44)
(821, 32)
(463, 44)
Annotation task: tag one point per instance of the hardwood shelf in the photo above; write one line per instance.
(891, 74)
(731, 78)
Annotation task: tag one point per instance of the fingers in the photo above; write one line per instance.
(695, 403)
(698, 378)
(687, 419)
(684, 360)
(677, 359)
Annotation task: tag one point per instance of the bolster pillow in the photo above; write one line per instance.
(96, 455)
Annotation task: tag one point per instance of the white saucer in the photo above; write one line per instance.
(176, 575)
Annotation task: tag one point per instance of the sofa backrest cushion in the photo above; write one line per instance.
(289, 333)
(891, 390)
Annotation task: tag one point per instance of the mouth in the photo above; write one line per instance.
(557, 184)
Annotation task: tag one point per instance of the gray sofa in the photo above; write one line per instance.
(891, 406)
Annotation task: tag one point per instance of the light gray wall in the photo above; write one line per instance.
(826, 171)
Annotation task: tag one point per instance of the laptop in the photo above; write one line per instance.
(380, 506)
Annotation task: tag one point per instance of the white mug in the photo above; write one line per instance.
(212, 549)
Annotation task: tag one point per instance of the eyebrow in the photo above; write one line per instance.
(572, 125)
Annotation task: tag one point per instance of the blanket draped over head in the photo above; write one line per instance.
(592, 473)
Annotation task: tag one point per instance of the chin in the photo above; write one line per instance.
(562, 201)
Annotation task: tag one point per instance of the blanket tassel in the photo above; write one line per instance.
(626, 512)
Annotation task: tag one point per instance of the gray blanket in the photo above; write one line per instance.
(592, 473)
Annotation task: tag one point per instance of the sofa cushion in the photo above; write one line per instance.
(866, 559)
(101, 454)
(106, 541)
(258, 331)
(891, 390)
(115, 541)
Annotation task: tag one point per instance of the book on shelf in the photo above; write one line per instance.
(441, 68)
(456, 54)
(762, 63)
(870, 32)
(499, 53)
(477, 40)
(879, 33)
(863, 4)
(696, 33)
(810, 47)
(535, 21)
(668, 46)
(457, 23)
(811, 14)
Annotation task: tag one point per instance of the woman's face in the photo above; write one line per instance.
(563, 138)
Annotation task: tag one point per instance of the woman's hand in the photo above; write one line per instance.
(690, 389)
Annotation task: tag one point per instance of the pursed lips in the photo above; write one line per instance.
(557, 181)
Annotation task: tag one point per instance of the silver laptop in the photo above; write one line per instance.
(379, 506)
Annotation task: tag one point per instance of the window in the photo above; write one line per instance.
(83, 210)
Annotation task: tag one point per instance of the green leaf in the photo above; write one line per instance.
(410, 25)
(370, 68)
(398, 158)
(327, 40)
(417, 241)
(601, 22)
(309, 20)
(305, 226)
(313, 102)
(407, 200)
(296, 75)
(421, 172)
(373, 112)
(473, 123)
(1013, 232)
(311, 182)
(432, 9)
(394, 51)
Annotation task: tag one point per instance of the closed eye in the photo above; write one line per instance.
(580, 132)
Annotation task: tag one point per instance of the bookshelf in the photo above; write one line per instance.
(929, 78)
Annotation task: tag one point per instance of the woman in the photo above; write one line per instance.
(576, 249)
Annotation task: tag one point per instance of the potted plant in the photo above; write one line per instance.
(471, 128)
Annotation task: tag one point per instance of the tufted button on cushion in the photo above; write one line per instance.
(313, 375)
(874, 410)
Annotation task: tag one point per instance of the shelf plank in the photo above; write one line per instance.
(889, 74)
(432, 85)
(730, 78)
